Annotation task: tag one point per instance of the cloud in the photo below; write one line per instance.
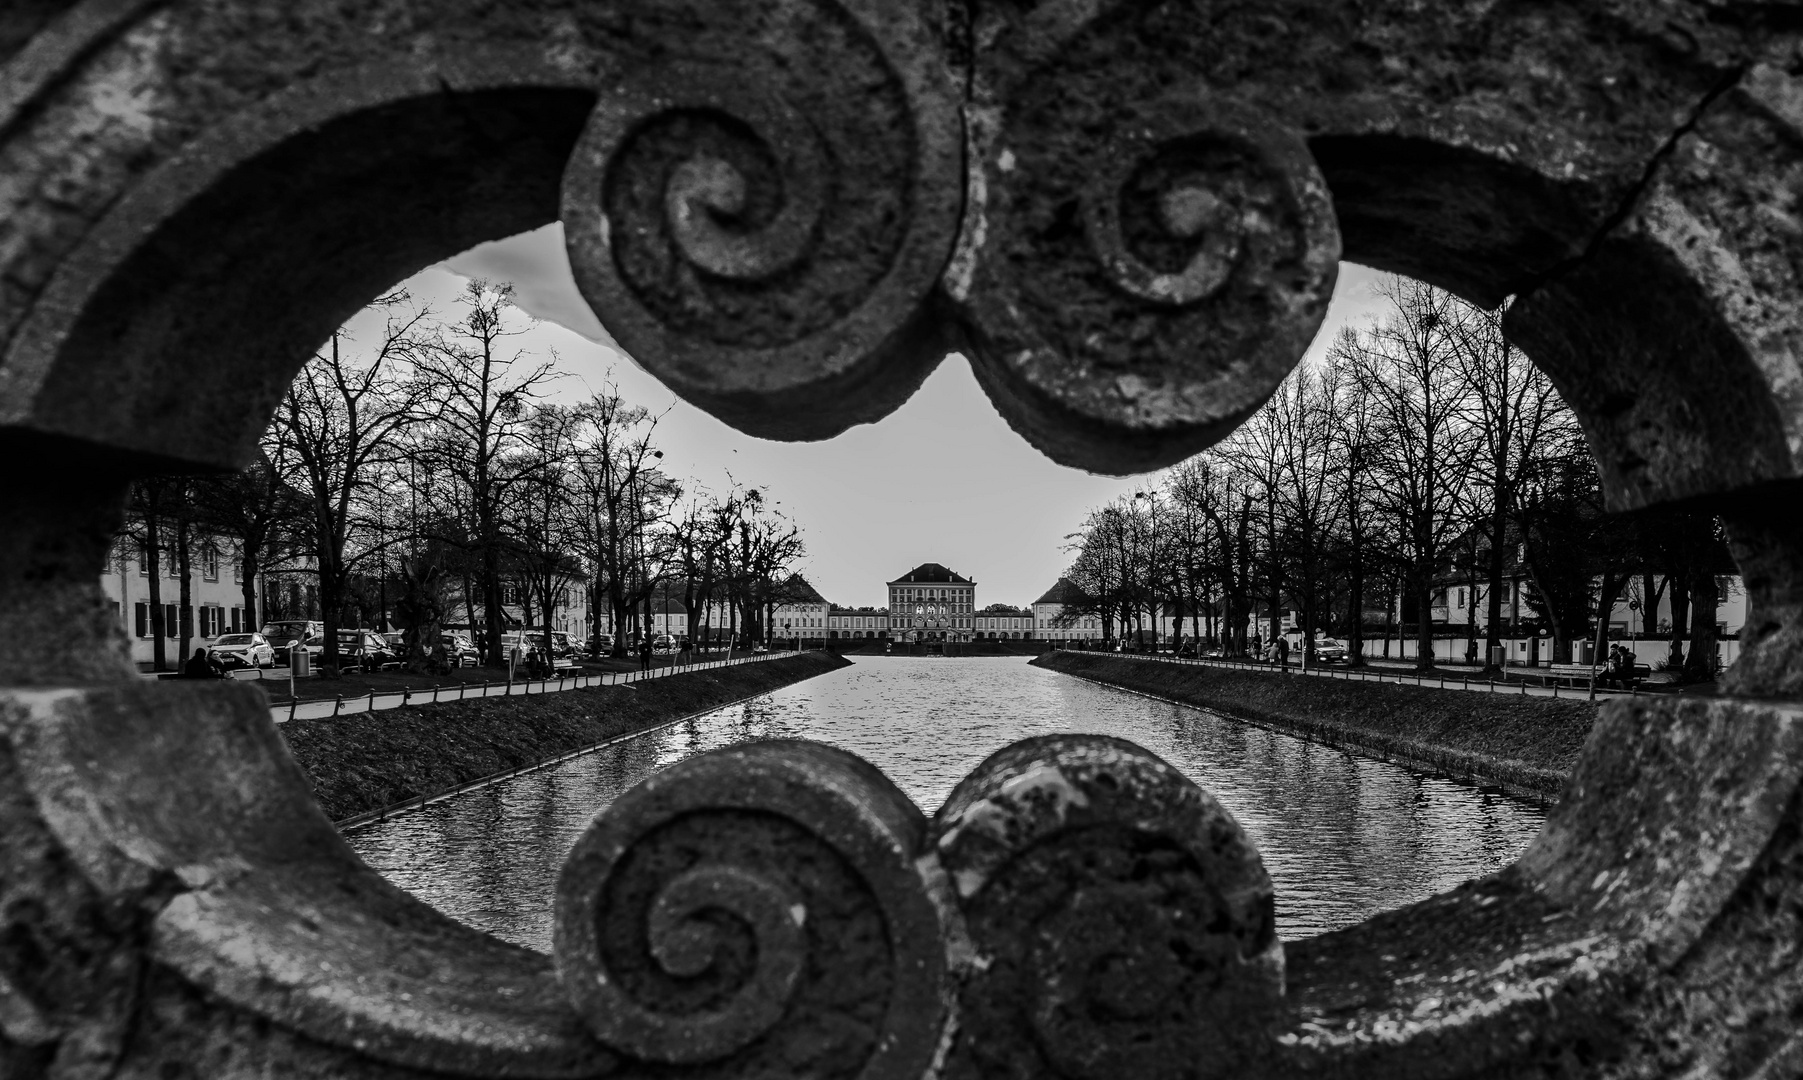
(543, 286)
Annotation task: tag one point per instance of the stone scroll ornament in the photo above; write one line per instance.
(781, 906)
(1120, 919)
(764, 236)
(1135, 297)
(758, 911)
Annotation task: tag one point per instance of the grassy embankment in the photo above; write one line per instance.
(365, 761)
(1524, 745)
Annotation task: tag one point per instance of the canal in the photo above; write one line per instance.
(1342, 837)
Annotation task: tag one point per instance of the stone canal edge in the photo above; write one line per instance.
(1525, 746)
(366, 763)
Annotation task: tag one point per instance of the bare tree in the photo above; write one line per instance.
(342, 417)
(479, 397)
(260, 512)
(617, 496)
(1407, 367)
(1515, 414)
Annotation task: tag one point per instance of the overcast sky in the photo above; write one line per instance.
(942, 479)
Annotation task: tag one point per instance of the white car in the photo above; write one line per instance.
(242, 650)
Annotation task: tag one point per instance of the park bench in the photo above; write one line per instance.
(1571, 674)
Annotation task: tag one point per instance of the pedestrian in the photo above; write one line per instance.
(645, 653)
(1283, 652)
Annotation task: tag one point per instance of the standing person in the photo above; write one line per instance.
(1283, 652)
(645, 653)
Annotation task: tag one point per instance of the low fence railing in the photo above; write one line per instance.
(462, 691)
(1439, 679)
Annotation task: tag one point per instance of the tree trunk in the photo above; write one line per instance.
(492, 626)
(1494, 582)
(1680, 619)
(1389, 617)
(184, 610)
(469, 606)
(1471, 611)
(153, 570)
(249, 566)
(1605, 606)
(1424, 615)
(1699, 666)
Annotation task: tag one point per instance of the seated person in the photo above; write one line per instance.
(199, 667)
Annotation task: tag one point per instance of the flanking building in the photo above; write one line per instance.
(1003, 621)
(862, 622)
(1060, 615)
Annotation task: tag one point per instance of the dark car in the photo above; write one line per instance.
(365, 649)
(288, 634)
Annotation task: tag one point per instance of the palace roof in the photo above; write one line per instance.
(931, 573)
(797, 590)
(1065, 591)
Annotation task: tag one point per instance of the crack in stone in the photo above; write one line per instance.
(1629, 200)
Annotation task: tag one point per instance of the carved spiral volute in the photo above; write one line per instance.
(1121, 919)
(757, 911)
(1137, 296)
(761, 232)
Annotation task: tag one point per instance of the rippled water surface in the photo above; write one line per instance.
(1342, 837)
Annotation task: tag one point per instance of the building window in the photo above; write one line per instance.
(209, 562)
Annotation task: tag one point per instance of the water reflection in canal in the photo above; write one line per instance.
(1342, 837)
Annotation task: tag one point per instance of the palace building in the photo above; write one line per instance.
(931, 603)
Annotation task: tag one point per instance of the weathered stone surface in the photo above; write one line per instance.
(756, 240)
(759, 911)
(179, 835)
(192, 194)
(55, 627)
(1121, 921)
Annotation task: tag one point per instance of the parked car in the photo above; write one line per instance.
(663, 643)
(242, 650)
(528, 641)
(285, 634)
(600, 644)
(365, 649)
(1330, 650)
(460, 650)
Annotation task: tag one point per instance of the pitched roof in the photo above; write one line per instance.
(1064, 591)
(931, 573)
(796, 590)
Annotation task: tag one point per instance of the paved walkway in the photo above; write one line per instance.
(1441, 680)
(374, 702)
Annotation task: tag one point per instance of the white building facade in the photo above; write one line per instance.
(215, 600)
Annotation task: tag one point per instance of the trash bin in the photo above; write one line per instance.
(1499, 656)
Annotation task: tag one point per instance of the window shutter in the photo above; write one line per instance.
(141, 613)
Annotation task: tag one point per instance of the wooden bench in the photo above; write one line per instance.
(1571, 674)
